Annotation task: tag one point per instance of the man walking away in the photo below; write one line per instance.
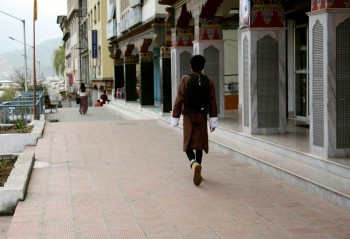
(195, 100)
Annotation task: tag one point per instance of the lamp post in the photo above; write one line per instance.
(25, 50)
(14, 39)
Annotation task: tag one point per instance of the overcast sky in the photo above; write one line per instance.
(46, 26)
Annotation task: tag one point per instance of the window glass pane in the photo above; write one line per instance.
(301, 48)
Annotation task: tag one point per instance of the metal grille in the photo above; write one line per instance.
(343, 85)
(318, 86)
(268, 83)
(245, 82)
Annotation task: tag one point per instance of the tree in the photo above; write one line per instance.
(19, 78)
(59, 60)
(8, 95)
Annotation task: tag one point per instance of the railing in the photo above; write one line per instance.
(22, 108)
(72, 6)
(135, 16)
(132, 18)
(111, 29)
(122, 25)
(134, 3)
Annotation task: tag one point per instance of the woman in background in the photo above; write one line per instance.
(83, 99)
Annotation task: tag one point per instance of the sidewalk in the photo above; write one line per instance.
(102, 176)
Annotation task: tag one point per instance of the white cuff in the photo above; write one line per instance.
(213, 122)
(174, 122)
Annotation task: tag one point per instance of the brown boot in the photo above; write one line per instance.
(197, 178)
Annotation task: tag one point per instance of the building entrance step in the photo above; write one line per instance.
(316, 175)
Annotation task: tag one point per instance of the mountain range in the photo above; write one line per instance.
(14, 60)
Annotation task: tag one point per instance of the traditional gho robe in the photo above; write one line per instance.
(194, 136)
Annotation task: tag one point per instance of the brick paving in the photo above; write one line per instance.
(102, 176)
(93, 114)
(5, 222)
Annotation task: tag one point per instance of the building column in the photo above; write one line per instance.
(180, 65)
(181, 53)
(262, 69)
(161, 75)
(130, 77)
(329, 36)
(209, 43)
(146, 79)
(165, 79)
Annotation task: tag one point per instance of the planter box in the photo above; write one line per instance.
(16, 184)
(15, 143)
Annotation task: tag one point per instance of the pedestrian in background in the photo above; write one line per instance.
(83, 99)
(104, 97)
(195, 99)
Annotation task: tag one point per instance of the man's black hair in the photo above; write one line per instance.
(197, 63)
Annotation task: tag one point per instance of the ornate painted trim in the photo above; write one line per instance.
(208, 29)
(146, 56)
(182, 36)
(267, 14)
(131, 60)
(195, 7)
(168, 36)
(165, 51)
(119, 62)
(322, 4)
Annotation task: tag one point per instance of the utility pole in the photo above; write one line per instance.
(25, 49)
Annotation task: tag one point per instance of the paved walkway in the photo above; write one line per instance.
(116, 178)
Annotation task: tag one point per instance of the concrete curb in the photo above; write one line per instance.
(15, 143)
(132, 110)
(16, 184)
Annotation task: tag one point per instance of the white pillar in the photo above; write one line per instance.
(329, 119)
(213, 51)
(180, 65)
(262, 80)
